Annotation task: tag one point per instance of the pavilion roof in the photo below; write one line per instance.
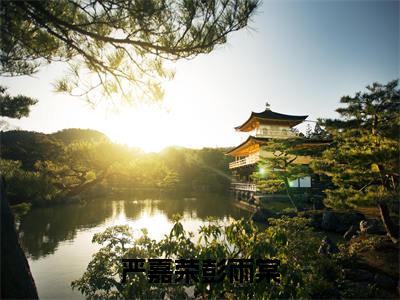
(248, 142)
(252, 140)
(270, 117)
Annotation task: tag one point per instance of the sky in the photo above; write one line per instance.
(299, 56)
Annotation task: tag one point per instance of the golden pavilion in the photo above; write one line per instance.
(262, 127)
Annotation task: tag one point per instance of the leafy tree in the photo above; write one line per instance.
(74, 135)
(69, 171)
(363, 162)
(309, 131)
(170, 180)
(74, 161)
(304, 273)
(287, 160)
(26, 186)
(316, 133)
(14, 106)
(319, 133)
(122, 43)
(82, 165)
(29, 147)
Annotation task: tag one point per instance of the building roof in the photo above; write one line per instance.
(252, 140)
(270, 117)
(249, 141)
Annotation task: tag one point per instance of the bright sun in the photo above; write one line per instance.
(148, 128)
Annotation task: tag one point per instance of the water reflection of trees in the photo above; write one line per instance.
(44, 228)
(201, 207)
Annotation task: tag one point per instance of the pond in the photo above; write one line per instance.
(57, 240)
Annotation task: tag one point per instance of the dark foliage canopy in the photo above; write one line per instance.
(364, 161)
(28, 147)
(121, 43)
(74, 135)
(47, 168)
(14, 106)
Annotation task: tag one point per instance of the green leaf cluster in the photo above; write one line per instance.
(304, 273)
(14, 106)
(279, 167)
(114, 49)
(73, 162)
(363, 162)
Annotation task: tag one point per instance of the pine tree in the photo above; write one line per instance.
(114, 49)
(363, 162)
(287, 160)
(14, 106)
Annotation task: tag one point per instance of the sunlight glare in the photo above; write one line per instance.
(148, 128)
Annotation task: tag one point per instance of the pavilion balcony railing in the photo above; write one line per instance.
(249, 160)
(275, 133)
(244, 186)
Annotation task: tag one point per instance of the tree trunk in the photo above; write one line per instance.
(79, 189)
(16, 277)
(288, 193)
(391, 228)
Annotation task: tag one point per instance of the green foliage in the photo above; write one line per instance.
(74, 135)
(14, 107)
(364, 161)
(280, 167)
(317, 133)
(365, 244)
(26, 186)
(51, 170)
(114, 49)
(170, 180)
(82, 165)
(73, 161)
(29, 147)
(20, 210)
(304, 273)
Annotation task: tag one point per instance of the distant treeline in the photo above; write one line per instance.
(47, 168)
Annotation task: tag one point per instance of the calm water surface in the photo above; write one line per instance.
(57, 240)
